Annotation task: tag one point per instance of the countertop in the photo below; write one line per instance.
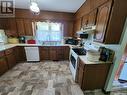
(7, 46)
(86, 61)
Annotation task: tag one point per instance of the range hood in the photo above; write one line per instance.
(87, 30)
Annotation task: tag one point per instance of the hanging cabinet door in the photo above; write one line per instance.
(12, 29)
(102, 21)
(28, 27)
(92, 17)
(77, 25)
(20, 27)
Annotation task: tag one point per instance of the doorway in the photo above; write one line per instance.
(120, 80)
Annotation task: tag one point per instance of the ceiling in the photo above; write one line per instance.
(52, 5)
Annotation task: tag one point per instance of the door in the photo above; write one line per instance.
(102, 21)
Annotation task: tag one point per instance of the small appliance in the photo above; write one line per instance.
(22, 39)
(71, 41)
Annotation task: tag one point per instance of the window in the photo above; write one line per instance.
(49, 32)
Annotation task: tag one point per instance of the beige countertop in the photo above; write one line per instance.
(86, 61)
(7, 46)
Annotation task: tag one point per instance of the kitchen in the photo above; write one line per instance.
(35, 42)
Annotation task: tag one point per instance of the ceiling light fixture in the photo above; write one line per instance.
(34, 7)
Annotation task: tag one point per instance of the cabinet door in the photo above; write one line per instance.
(92, 17)
(3, 65)
(20, 27)
(44, 53)
(85, 20)
(3, 23)
(11, 60)
(80, 76)
(28, 27)
(53, 53)
(68, 28)
(102, 21)
(60, 53)
(20, 54)
(95, 76)
(66, 52)
(80, 73)
(12, 30)
(99, 2)
(77, 25)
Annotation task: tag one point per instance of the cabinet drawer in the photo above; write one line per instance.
(1, 53)
(8, 51)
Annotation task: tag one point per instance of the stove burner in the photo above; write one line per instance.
(79, 51)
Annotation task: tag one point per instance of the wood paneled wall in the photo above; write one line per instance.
(22, 13)
(63, 17)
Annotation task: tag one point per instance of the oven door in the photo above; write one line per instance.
(73, 63)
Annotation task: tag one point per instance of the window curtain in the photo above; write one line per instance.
(49, 31)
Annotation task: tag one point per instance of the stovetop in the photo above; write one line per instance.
(79, 51)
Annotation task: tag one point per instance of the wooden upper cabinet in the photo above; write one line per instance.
(92, 17)
(77, 25)
(99, 2)
(24, 27)
(20, 27)
(102, 21)
(12, 29)
(68, 28)
(84, 21)
(28, 27)
(3, 23)
(96, 3)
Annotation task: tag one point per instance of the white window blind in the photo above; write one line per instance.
(49, 31)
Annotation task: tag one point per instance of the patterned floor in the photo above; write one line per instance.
(43, 78)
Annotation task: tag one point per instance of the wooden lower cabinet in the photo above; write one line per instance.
(3, 63)
(66, 51)
(10, 56)
(44, 53)
(92, 76)
(54, 53)
(20, 54)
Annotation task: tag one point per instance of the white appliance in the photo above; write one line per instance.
(74, 57)
(3, 37)
(32, 53)
(73, 63)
